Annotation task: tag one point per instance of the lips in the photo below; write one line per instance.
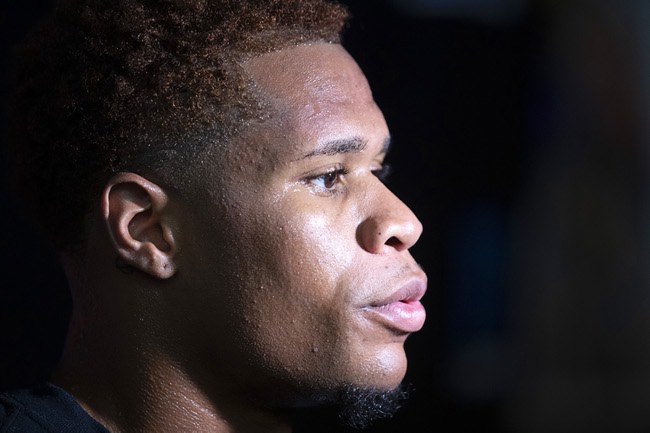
(402, 310)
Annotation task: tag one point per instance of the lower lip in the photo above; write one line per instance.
(403, 316)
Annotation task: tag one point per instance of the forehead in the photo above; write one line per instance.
(314, 70)
(319, 92)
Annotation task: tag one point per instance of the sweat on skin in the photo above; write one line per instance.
(282, 278)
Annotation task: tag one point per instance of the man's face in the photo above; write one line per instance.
(298, 265)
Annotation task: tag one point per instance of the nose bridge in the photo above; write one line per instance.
(389, 223)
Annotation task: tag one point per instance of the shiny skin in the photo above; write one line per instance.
(283, 253)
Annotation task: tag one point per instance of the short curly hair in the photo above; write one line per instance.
(106, 86)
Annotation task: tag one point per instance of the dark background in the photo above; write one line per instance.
(522, 143)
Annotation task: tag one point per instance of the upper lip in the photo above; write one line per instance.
(411, 291)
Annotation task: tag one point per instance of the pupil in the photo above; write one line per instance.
(330, 179)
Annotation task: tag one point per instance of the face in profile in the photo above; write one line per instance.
(300, 278)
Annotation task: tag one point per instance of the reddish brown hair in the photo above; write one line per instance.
(138, 85)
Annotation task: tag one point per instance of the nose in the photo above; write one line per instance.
(389, 224)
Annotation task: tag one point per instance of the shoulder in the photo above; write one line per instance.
(44, 408)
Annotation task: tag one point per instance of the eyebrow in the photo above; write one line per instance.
(345, 145)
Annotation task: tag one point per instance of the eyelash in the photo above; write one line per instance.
(381, 174)
(338, 172)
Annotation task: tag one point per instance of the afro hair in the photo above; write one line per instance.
(105, 86)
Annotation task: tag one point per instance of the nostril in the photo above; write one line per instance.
(393, 241)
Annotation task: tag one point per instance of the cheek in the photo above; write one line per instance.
(326, 242)
(297, 289)
(307, 246)
(345, 345)
(307, 263)
(294, 275)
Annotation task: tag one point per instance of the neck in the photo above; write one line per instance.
(124, 380)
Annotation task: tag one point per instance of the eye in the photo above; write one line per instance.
(383, 173)
(329, 180)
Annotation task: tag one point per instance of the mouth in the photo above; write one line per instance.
(401, 311)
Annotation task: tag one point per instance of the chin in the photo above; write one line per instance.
(369, 388)
(385, 370)
(369, 368)
(355, 406)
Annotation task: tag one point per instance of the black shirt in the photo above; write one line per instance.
(44, 408)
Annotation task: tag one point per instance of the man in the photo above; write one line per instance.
(209, 172)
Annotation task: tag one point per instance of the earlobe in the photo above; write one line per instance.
(140, 225)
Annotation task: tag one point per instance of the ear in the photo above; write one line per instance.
(139, 222)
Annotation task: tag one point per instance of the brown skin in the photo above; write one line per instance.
(249, 297)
